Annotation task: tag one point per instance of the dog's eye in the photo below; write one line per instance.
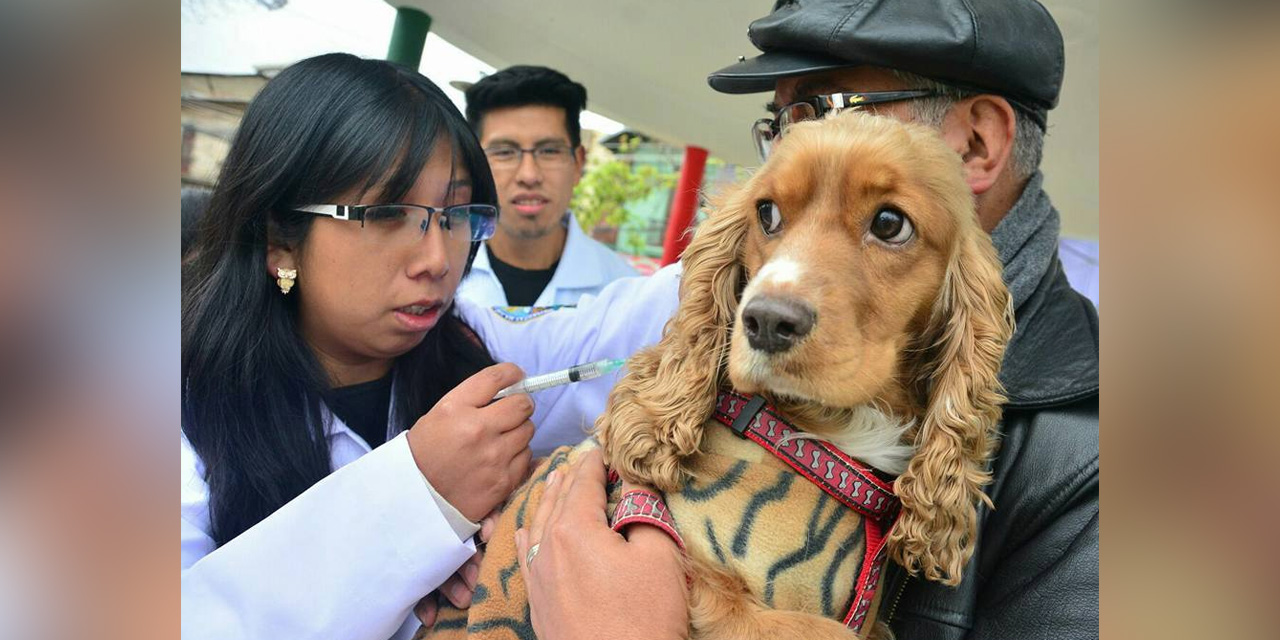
(892, 226)
(770, 217)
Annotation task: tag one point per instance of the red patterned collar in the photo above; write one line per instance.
(845, 479)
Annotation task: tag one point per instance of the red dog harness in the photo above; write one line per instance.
(840, 476)
(843, 478)
(640, 506)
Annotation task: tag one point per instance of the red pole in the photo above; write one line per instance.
(684, 205)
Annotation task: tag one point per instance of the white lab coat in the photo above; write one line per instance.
(349, 557)
(586, 266)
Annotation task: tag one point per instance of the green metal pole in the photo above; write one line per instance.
(408, 36)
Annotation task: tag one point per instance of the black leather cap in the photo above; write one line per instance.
(1011, 48)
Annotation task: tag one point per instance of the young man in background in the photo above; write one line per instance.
(527, 120)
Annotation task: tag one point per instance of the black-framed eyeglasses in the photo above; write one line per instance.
(767, 131)
(408, 223)
(549, 155)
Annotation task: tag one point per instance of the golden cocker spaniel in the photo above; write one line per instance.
(849, 285)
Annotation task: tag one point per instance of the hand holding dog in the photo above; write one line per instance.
(585, 577)
(461, 586)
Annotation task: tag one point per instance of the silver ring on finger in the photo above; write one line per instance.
(533, 552)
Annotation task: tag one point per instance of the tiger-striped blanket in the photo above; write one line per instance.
(796, 547)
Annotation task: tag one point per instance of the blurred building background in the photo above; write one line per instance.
(212, 106)
(644, 66)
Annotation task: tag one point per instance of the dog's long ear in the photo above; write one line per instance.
(656, 413)
(971, 322)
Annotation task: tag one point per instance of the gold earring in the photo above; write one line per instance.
(285, 279)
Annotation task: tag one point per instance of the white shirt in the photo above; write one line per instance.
(1080, 262)
(586, 266)
(349, 557)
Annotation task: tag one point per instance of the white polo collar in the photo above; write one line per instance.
(578, 268)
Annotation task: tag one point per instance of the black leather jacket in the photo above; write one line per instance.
(1035, 571)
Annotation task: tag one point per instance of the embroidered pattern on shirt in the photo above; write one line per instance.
(524, 314)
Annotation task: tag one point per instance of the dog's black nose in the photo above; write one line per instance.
(775, 324)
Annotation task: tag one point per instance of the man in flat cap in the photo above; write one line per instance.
(985, 73)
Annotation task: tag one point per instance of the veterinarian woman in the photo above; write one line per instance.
(339, 444)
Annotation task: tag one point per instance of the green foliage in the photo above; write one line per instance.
(634, 240)
(609, 184)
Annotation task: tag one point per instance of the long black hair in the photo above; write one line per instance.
(252, 388)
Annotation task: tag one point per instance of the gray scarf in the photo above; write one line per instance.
(1027, 240)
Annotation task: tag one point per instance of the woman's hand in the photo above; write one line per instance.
(475, 453)
(461, 585)
(587, 582)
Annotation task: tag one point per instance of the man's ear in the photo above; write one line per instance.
(580, 161)
(981, 129)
